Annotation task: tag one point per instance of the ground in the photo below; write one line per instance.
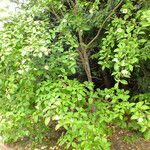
(127, 140)
(121, 140)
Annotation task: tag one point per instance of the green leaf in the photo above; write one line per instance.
(73, 70)
(47, 120)
(58, 126)
(116, 67)
(124, 82)
(143, 129)
(145, 107)
(147, 135)
(90, 100)
(74, 145)
(35, 118)
(134, 117)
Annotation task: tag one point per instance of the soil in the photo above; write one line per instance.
(127, 140)
(121, 140)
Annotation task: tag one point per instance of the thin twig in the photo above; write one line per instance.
(96, 78)
(99, 31)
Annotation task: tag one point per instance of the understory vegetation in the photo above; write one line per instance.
(81, 65)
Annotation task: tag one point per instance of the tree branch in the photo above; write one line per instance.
(54, 12)
(69, 3)
(99, 31)
(82, 50)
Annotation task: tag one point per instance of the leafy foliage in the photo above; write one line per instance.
(50, 54)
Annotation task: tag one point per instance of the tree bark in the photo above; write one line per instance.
(85, 62)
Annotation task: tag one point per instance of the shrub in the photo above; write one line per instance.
(56, 60)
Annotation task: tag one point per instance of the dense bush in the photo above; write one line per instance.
(82, 65)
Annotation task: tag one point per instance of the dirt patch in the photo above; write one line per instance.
(127, 140)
